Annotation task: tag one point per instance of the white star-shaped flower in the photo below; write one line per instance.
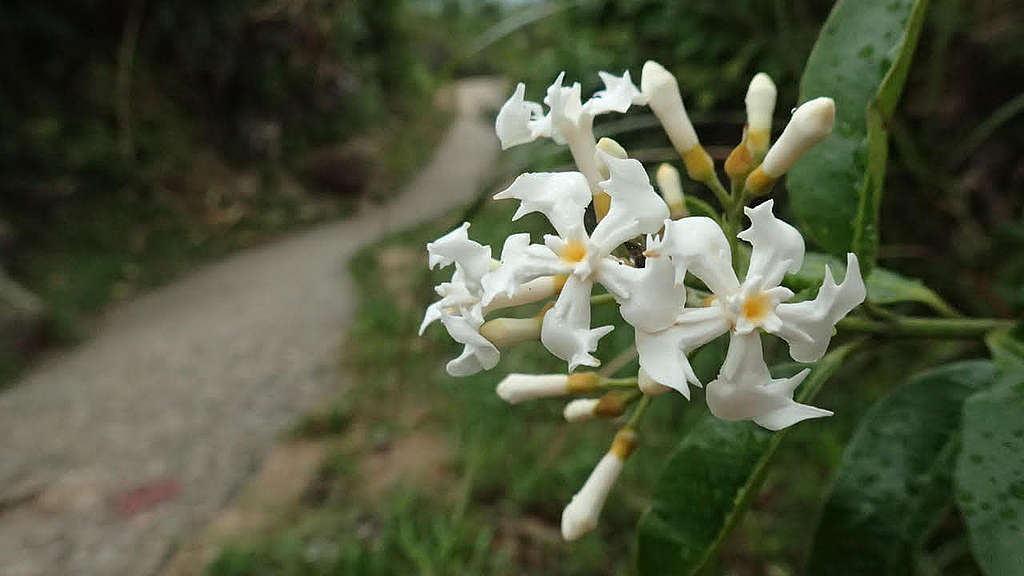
(569, 120)
(563, 198)
(744, 389)
(461, 308)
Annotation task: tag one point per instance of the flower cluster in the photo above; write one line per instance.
(678, 292)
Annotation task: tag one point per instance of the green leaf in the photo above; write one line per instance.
(990, 475)
(861, 60)
(1006, 348)
(884, 286)
(707, 485)
(895, 481)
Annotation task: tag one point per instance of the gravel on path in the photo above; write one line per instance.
(115, 452)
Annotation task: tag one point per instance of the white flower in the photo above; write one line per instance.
(581, 515)
(461, 309)
(563, 197)
(744, 388)
(568, 121)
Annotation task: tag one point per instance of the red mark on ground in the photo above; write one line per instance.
(145, 496)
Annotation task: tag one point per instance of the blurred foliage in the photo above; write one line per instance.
(140, 136)
(953, 210)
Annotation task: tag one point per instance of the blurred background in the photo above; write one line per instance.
(141, 139)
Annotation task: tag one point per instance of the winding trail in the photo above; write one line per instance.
(118, 450)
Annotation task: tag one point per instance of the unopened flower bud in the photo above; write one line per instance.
(662, 92)
(532, 291)
(758, 131)
(612, 148)
(671, 189)
(580, 409)
(581, 515)
(810, 124)
(602, 201)
(516, 388)
(649, 386)
(760, 106)
(504, 332)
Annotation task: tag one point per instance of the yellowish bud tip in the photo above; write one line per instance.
(611, 405)
(758, 183)
(699, 165)
(624, 443)
(671, 188)
(582, 382)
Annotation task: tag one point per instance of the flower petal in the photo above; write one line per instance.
(697, 244)
(561, 196)
(618, 95)
(455, 247)
(745, 389)
(520, 121)
(777, 247)
(663, 354)
(564, 108)
(566, 330)
(648, 297)
(635, 207)
(807, 326)
(478, 354)
(521, 262)
(433, 314)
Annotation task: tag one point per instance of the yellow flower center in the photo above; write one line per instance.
(574, 251)
(756, 307)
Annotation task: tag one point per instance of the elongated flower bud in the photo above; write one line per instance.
(671, 189)
(758, 131)
(810, 124)
(504, 332)
(580, 409)
(532, 291)
(516, 388)
(602, 201)
(760, 106)
(662, 92)
(581, 515)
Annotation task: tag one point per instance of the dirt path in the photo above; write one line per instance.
(117, 451)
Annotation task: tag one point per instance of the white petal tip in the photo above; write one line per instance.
(816, 117)
(654, 77)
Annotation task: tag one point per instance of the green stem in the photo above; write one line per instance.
(925, 327)
(724, 198)
(638, 412)
(618, 383)
(599, 299)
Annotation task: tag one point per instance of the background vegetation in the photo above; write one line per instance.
(138, 137)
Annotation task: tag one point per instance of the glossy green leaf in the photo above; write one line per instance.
(707, 485)
(1007, 348)
(861, 60)
(895, 481)
(990, 475)
(884, 286)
